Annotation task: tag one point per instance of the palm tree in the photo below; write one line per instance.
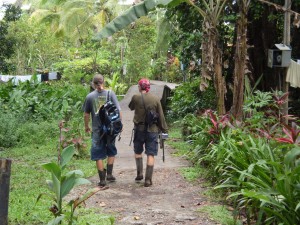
(75, 19)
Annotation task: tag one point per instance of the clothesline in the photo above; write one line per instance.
(22, 78)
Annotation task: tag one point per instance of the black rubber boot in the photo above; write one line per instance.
(148, 176)
(102, 176)
(139, 169)
(109, 176)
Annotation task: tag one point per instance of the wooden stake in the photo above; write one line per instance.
(5, 165)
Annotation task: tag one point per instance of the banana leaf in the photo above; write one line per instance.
(131, 15)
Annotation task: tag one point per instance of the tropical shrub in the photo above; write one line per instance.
(263, 180)
(16, 130)
(82, 70)
(72, 133)
(257, 164)
(187, 98)
(9, 135)
(47, 101)
(114, 84)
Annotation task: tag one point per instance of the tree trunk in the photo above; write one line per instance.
(5, 165)
(212, 63)
(219, 80)
(240, 61)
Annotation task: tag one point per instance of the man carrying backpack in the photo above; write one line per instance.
(148, 121)
(102, 147)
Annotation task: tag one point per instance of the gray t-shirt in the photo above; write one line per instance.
(94, 101)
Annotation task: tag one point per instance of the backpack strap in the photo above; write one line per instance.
(143, 102)
(144, 108)
(107, 95)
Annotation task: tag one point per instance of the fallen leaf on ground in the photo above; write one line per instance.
(102, 204)
(136, 217)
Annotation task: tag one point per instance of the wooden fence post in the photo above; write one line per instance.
(5, 165)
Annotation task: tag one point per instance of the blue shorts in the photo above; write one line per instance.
(149, 139)
(102, 148)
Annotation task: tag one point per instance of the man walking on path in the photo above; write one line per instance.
(101, 148)
(146, 133)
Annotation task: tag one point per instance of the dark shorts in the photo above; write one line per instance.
(149, 139)
(102, 148)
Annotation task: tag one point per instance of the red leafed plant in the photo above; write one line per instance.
(217, 124)
(292, 132)
(267, 132)
(280, 99)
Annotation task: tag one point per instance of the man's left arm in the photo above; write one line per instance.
(162, 121)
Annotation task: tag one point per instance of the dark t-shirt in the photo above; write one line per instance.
(94, 101)
(152, 102)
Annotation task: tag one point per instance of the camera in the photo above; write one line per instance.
(164, 136)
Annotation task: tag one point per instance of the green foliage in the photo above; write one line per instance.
(36, 47)
(17, 131)
(159, 68)
(251, 164)
(72, 133)
(9, 135)
(61, 184)
(267, 184)
(129, 16)
(53, 100)
(81, 70)
(195, 130)
(94, 217)
(191, 173)
(187, 98)
(257, 102)
(7, 46)
(141, 43)
(28, 179)
(219, 214)
(115, 85)
(175, 140)
(185, 35)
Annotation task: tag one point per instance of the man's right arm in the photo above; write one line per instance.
(86, 117)
(131, 105)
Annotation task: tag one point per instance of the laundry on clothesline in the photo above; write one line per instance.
(293, 74)
(18, 78)
(22, 78)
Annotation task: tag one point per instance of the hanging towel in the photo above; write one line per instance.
(53, 76)
(293, 74)
(18, 78)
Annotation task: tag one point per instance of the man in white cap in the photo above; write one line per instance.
(101, 147)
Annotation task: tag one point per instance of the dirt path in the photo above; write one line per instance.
(170, 200)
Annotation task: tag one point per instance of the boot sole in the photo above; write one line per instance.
(139, 178)
(111, 180)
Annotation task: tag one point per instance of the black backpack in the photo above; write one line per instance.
(111, 124)
(151, 116)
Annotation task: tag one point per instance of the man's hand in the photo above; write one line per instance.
(87, 130)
